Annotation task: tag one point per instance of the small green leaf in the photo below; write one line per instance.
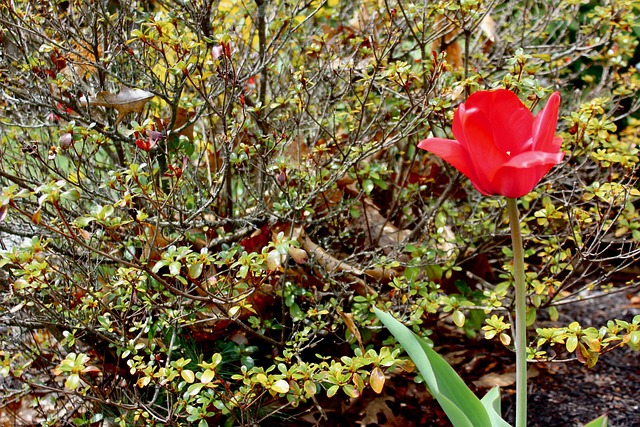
(188, 376)
(195, 270)
(367, 185)
(531, 316)
(72, 382)
(331, 391)
(194, 389)
(207, 376)
(280, 386)
(174, 268)
(351, 391)
(458, 318)
(310, 387)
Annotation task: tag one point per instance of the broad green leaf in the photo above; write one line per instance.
(331, 391)
(603, 421)
(491, 402)
(462, 407)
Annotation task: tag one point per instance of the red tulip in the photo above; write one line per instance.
(500, 146)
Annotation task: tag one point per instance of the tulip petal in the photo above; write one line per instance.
(522, 173)
(485, 156)
(457, 156)
(544, 126)
(508, 118)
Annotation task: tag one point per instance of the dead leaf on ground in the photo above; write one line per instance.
(374, 408)
(493, 379)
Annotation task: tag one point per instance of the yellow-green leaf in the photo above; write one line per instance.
(188, 375)
(458, 318)
(377, 380)
(572, 343)
(280, 386)
(207, 376)
(72, 382)
(310, 387)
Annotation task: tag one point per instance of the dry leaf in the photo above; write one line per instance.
(375, 407)
(183, 117)
(299, 255)
(488, 27)
(326, 260)
(454, 54)
(347, 318)
(124, 102)
(493, 379)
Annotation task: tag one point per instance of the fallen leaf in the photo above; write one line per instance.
(377, 406)
(493, 379)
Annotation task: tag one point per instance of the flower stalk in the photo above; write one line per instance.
(521, 313)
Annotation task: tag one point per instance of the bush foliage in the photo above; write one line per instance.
(202, 200)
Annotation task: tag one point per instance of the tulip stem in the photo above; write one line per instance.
(521, 314)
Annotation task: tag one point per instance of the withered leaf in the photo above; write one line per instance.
(126, 101)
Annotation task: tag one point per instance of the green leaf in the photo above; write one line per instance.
(174, 268)
(194, 389)
(72, 382)
(188, 376)
(367, 185)
(572, 343)
(462, 407)
(207, 376)
(603, 421)
(491, 402)
(195, 270)
(280, 386)
(351, 391)
(459, 318)
(331, 391)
